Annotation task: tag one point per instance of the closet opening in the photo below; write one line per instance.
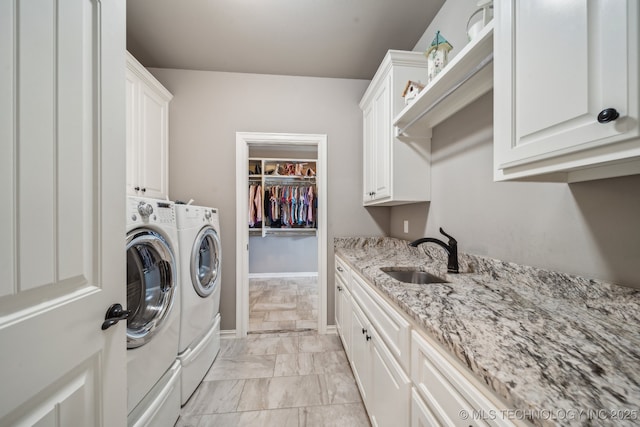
(281, 254)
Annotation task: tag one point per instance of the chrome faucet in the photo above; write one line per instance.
(451, 248)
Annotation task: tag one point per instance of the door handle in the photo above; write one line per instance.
(115, 313)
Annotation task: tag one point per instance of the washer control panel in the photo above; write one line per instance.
(151, 211)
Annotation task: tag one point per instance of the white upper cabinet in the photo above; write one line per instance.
(563, 72)
(394, 172)
(147, 133)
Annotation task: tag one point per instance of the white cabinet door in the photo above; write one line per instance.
(421, 416)
(557, 68)
(147, 133)
(343, 305)
(62, 134)
(361, 356)
(382, 138)
(132, 156)
(394, 172)
(154, 148)
(377, 145)
(340, 286)
(391, 387)
(346, 306)
(368, 151)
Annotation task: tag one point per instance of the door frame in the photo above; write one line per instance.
(244, 140)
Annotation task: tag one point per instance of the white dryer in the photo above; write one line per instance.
(200, 261)
(153, 325)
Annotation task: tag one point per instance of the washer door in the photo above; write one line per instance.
(205, 261)
(151, 279)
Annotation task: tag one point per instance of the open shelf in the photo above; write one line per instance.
(468, 76)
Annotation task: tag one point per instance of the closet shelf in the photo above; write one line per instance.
(468, 76)
(288, 231)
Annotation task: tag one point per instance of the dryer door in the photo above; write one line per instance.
(151, 280)
(205, 261)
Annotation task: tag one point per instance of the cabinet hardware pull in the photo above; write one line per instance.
(339, 289)
(136, 188)
(608, 115)
(143, 190)
(364, 331)
(368, 337)
(340, 269)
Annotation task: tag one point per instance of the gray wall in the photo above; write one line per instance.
(273, 254)
(591, 229)
(207, 110)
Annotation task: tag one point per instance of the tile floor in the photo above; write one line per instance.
(283, 304)
(296, 379)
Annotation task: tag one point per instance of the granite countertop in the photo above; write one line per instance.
(545, 342)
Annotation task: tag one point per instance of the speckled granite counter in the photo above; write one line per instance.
(541, 340)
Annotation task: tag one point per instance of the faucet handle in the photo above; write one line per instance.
(452, 241)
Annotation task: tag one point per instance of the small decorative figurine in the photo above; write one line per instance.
(437, 56)
(411, 91)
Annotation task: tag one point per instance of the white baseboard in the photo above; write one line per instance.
(274, 275)
(229, 333)
(331, 329)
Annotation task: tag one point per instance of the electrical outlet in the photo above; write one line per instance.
(406, 226)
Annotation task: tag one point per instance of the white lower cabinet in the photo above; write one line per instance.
(391, 387)
(449, 395)
(361, 355)
(384, 386)
(343, 314)
(430, 391)
(421, 416)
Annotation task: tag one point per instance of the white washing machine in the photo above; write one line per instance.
(200, 261)
(153, 325)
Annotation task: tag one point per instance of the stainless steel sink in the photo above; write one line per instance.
(414, 276)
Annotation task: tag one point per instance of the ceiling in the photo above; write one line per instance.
(320, 38)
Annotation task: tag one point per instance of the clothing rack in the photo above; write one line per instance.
(281, 201)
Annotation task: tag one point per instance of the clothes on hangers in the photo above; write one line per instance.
(290, 206)
(255, 206)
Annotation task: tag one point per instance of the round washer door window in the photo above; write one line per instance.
(205, 261)
(151, 279)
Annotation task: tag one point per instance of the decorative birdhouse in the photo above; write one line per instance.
(411, 91)
(437, 56)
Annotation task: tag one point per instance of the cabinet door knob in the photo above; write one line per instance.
(136, 188)
(364, 331)
(368, 337)
(339, 289)
(143, 190)
(608, 115)
(340, 269)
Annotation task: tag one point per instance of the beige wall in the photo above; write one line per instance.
(207, 110)
(590, 229)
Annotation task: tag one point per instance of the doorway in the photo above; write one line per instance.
(272, 153)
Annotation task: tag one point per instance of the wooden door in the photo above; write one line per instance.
(62, 222)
